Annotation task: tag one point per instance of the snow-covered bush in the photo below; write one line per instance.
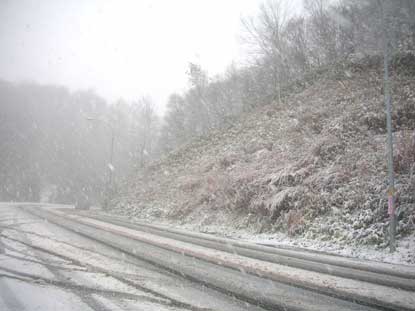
(404, 158)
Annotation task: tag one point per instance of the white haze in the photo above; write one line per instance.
(121, 49)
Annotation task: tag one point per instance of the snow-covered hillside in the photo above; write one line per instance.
(313, 167)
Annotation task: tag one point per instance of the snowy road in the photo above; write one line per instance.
(45, 267)
(107, 263)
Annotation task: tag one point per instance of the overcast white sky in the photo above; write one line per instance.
(119, 48)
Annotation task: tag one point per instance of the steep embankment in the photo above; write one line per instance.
(313, 166)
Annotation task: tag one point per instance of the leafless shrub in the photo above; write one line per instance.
(216, 191)
(281, 201)
(404, 159)
(404, 118)
(328, 149)
(290, 176)
(295, 222)
(246, 176)
(256, 145)
(313, 120)
(227, 161)
(206, 165)
(375, 122)
(189, 183)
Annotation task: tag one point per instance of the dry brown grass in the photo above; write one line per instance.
(404, 158)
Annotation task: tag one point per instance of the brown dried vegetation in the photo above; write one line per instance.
(322, 154)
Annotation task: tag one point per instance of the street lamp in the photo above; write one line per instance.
(110, 164)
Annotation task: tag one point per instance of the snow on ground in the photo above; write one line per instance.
(312, 279)
(95, 271)
(133, 305)
(37, 297)
(310, 173)
(405, 252)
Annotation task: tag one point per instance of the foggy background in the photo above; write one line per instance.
(121, 49)
(153, 75)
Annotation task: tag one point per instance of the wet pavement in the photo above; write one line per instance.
(45, 267)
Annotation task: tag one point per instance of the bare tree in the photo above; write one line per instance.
(323, 32)
(284, 47)
(297, 45)
(174, 131)
(144, 129)
(200, 110)
(266, 33)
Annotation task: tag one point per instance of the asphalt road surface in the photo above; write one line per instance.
(58, 259)
(46, 267)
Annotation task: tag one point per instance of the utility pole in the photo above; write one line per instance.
(109, 186)
(111, 165)
(111, 169)
(387, 96)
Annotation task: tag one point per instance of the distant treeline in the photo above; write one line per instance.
(54, 144)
